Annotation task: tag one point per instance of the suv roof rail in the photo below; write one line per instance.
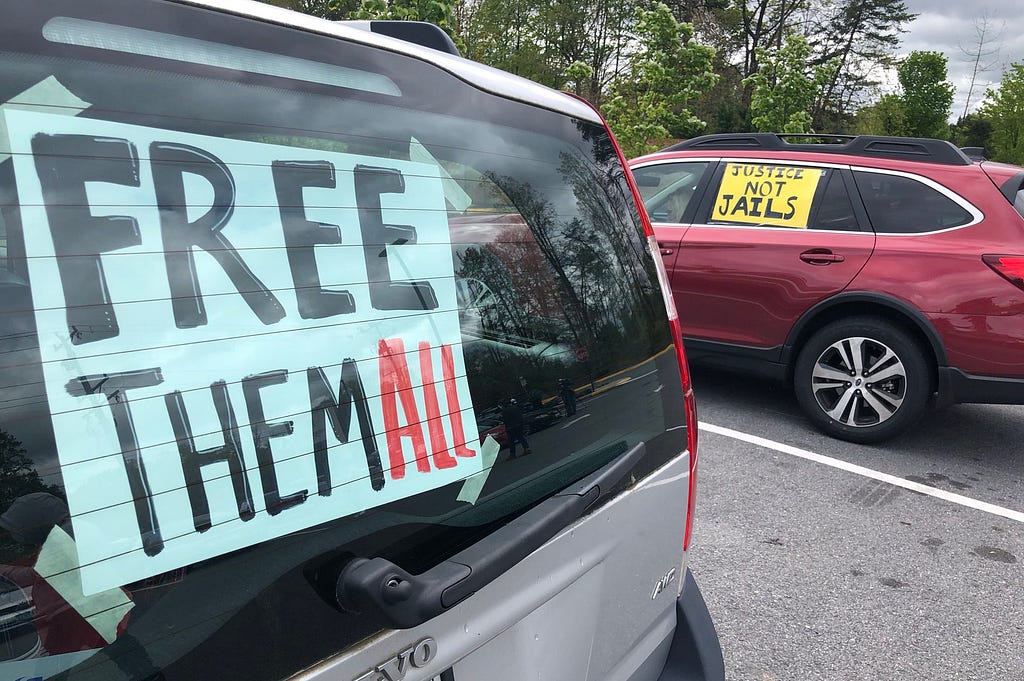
(903, 148)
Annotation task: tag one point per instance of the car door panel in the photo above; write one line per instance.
(749, 288)
(747, 284)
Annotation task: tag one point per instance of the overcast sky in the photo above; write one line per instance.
(947, 25)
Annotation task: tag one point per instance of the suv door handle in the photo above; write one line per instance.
(821, 256)
(667, 251)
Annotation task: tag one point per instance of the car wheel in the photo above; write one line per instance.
(862, 380)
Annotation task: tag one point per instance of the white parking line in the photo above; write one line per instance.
(585, 416)
(866, 472)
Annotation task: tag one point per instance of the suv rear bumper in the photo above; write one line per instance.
(957, 387)
(696, 654)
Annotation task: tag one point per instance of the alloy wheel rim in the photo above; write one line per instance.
(859, 382)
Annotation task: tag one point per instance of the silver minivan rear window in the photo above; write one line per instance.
(271, 299)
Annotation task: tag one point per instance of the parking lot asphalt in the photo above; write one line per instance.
(812, 571)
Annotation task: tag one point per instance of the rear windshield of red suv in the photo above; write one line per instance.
(265, 296)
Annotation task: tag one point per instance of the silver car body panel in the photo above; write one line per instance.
(580, 608)
(479, 75)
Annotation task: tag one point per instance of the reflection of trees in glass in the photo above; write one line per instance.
(628, 299)
(18, 477)
(542, 219)
(597, 257)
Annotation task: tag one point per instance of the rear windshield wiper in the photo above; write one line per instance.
(380, 589)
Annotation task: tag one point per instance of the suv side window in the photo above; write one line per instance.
(902, 205)
(668, 189)
(834, 211)
(764, 194)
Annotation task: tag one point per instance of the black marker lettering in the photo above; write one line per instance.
(791, 202)
(324, 407)
(170, 163)
(385, 294)
(262, 432)
(741, 206)
(64, 164)
(723, 210)
(115, 387)
(301, 237)
(193, 460)
(770, 213)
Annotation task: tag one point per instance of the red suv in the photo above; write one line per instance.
(875, 274)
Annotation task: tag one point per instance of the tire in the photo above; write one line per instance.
(853, 407)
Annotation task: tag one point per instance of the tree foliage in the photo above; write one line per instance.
(650, 102)
(785, 87)
(860, 37)
(1004, 108)
(926, 95)
(884, 117)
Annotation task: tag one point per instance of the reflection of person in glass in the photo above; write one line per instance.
(568, 395)
(44, 623)
(515, 427)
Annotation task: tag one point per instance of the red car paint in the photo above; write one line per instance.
(758, 292)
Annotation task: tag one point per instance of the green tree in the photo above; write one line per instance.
(1004, 107)
(505, 34)
(926, 95)
(884, 117)
(651, 101)
(784, 89)
(860, 35)
(973, 130)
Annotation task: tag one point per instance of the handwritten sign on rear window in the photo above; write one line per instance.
(239, 340)
(764, 194)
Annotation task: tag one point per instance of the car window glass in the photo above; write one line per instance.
(759, 194)
(668, 188)
(257, 315)
(834, 211)
(903, 205)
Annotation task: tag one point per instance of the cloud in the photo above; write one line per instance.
(952, 28)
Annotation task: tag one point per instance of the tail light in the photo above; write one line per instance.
(1010, 267)
(677, 333)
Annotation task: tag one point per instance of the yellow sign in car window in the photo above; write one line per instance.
(765, 194)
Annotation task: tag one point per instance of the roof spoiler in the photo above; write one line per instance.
(976, 154)
(417, 32)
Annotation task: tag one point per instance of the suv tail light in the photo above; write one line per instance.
(676, 327)
(1010, 267)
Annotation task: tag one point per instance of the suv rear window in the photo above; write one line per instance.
(903, 205)
(265, 295)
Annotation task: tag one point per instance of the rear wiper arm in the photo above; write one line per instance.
(379, 589)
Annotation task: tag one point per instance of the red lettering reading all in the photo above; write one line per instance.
(451, 395)
(438, 443)
(395, 380)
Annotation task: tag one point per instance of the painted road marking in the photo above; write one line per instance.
(866, 472)
(585, 416)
